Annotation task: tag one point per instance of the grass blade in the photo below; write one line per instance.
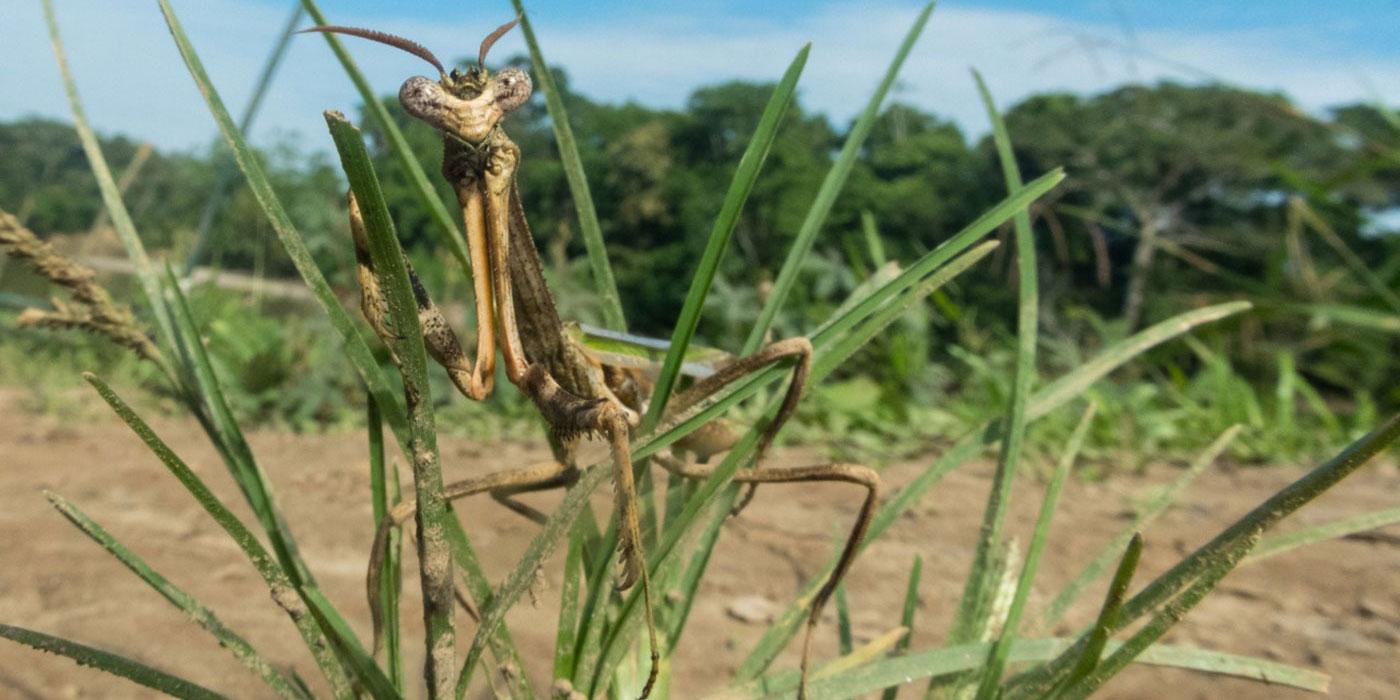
(384, 494)
(996, 659)
(831, 186)
(845, 642)
(283, 590)
(578, 181)
(1149, 512)
(973, 608)
(371, 678)
(202, 616)
(744, 176)
(1108, 613)
(1047, 399)
(906, 620)
(1325, 531)
(411, 353)
(133, 671)
(566, 635)
(225, 170)
(1198, 572)
(112, 200)
(228, 436)
(448, 233)
(353, 344)
(949, 660)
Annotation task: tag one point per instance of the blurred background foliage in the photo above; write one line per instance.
(1177, 196)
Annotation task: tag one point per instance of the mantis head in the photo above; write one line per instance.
(465, 105)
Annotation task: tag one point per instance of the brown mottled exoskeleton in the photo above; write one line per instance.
(577, 393)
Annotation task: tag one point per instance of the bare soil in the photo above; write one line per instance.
(1333, 607)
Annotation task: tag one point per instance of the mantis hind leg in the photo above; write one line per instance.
(836, 472)
(798, 351)
(509, 482)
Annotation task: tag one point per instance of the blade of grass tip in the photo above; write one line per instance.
(845, 641)
(720, 234)
(1224, 551)
(972, 609)
(244, 467)
(831, 186)
(111, 199)
(1326, 531)
(352, 343)
(996, 658)
(944, 661)
(202, 616)
(380, 502)
(1045, 400)
(872, 239)
(906, 619)
(371, 677)
(225, 170)
(435, 567)
(446, 227)
(133, 671)
(284, 593)
(1107, 620)
(1150, 511)
(592, 232)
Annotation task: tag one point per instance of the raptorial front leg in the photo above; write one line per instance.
(841, 473)
(438, 337)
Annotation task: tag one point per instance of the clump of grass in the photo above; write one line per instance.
(599, 647)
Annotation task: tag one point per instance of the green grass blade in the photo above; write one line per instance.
(202, 616)
(739, 188)
(831, 186)
(1351, 315)
(906, 619)
(996, 659)
(353, 344)
(133, 671)
(872, 239)
(578, 181)
(1326, 531)
(283, 590)
(408, 347)
(1150, 511)
(845, 641)
(448, 233)
(1198, 572)
(566, 634)
(1047, 399)
(225, 170)
(1108, 613)
(1353, 261)
(973, 608)
(228, 436)
(950, 660)
(384, 494)
(371, 677)
(112, 200)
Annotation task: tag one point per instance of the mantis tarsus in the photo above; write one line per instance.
(579, 393)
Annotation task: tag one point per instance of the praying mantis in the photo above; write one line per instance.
(578, 391)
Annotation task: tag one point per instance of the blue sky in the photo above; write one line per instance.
(132, 81)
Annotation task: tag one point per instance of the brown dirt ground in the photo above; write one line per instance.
(1333, 607)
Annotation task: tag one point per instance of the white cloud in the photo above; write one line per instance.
(132, 80)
